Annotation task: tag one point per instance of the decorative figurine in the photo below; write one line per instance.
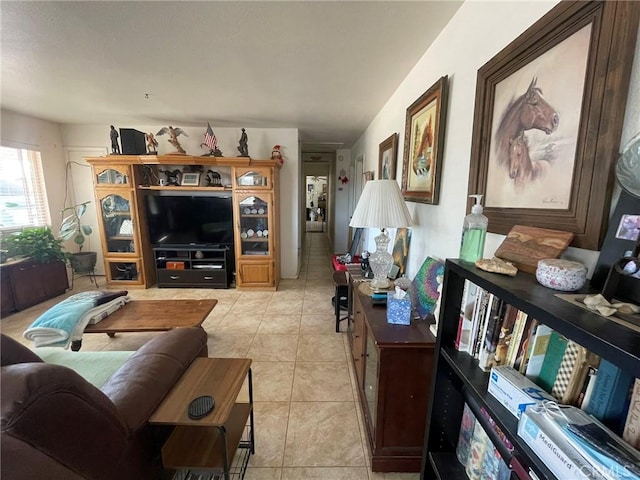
(173, 176)
(174, 133)
(211, 142)
(115, 148)
(243, 148)
(276, 154)
(213, 179)
(152, 143)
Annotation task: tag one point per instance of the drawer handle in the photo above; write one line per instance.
(175, 277)
(208, 278)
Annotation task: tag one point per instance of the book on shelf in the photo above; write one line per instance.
(552, 360)
(587, 388)
(539, 345)
(631, 432)
(609, 394)
(467, 424)
(522, 350)
(486, 356)
(505, 335)
(480, 442)
(516, 338)
(567, 364)
(586, 362)
(467, 307)
(479, 318)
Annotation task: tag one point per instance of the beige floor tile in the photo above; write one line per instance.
(285, 306)
(275, 324)
(250, 305)
(325, 473)
(321, 348)
(323, 434)
(125, 341)
(272, 382)
(246, 323)
(318, 324)
(270, 433)
(228, 345)
(393, 476)
(321, 382)
(264, 474)
(317, 306)
(274, 348)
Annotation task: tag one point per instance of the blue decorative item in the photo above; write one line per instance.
(426, 286)
(398, 309)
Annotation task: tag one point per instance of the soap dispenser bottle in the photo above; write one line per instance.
(474, 232)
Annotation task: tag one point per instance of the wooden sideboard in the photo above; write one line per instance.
(25, 283)
(393, 365)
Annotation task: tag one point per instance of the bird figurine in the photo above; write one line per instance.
(174, 133)
(152, 143)
(276, 154)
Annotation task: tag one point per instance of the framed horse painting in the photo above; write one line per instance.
(548, 119)
(424, 143)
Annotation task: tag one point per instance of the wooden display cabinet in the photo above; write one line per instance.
(393, 365)
(256, 236)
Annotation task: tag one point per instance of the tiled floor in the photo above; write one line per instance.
(308, 419)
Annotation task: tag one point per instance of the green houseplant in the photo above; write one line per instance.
(72, 227)
(36, 243)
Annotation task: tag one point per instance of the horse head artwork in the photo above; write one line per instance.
(521, 167)
(423, 159)
(529, 111)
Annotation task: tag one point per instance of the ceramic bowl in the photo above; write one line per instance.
(559, 274)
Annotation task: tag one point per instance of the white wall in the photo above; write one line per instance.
(341, 195)
(52, 139)
(477, 32)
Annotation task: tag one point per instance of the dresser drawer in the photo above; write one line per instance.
(195, 278)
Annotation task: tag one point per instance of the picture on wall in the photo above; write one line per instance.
(548, 117)
(401, 250)
(387, 158)
(424, 144)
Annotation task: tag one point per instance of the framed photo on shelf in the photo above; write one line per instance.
(424, 143)
(548, 117)
(190, 180)
(387, 158)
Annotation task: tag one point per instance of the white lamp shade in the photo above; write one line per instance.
(381, 205)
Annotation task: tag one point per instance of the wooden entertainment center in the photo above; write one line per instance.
(122, 183)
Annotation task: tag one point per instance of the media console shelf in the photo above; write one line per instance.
(194, 267)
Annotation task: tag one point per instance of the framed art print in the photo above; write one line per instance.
(548, 118)
(190, 180)
(423, 145)
(387, 158)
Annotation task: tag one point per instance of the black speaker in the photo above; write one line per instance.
(132, 142)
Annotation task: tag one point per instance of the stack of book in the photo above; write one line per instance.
(496, 333)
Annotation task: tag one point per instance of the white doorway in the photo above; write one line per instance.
(316, 203)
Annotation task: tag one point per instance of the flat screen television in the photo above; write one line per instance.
(189, 220)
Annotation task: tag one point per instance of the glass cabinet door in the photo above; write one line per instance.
(371, 380)
(253, 178)
(117, 223)
(254, 225)
(114, 175)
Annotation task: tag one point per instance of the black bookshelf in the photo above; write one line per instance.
(458, 379)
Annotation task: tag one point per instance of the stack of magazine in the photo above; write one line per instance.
(573, 444)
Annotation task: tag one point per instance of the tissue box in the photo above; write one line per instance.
(398, 310)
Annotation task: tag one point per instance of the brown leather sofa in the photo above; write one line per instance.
(56, 425)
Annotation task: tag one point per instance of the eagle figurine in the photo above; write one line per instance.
(174, 133)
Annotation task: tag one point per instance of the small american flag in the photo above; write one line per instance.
(210, 139)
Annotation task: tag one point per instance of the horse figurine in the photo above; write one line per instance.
(529, 110)
(423, 159)
(521, 168)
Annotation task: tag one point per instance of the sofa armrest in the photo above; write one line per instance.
(12, 352)
(55, 413)
(139, 386)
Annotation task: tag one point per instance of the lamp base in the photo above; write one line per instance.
(381, 261)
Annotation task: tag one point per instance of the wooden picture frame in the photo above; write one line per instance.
(387, 158)
(190, 180)
(549, 171)
(424, 144)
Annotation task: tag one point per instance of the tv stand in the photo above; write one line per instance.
(194, 266)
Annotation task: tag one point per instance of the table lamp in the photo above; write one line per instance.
(381, 205)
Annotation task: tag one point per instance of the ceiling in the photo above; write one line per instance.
(324, 67)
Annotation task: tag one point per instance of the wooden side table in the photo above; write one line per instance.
(209, 445)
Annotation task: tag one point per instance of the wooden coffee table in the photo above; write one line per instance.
(151, 316)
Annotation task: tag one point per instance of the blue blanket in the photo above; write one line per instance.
(58, 325)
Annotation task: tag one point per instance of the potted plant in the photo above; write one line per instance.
(36, 243)
(72, 227)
